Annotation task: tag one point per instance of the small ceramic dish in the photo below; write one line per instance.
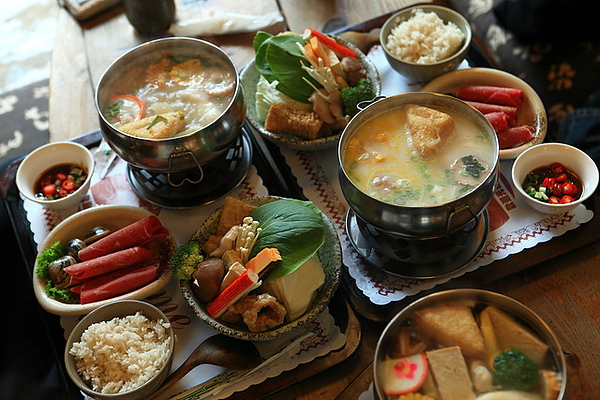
(106, 313)
(329, 255)
(249, 78)
(437, 332)
(545, 154)
(111, 217)
(47, 156)
(531, 112)
(417, 72)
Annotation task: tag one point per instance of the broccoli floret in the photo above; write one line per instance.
(514, 370)
(353, 95)
(185, 259)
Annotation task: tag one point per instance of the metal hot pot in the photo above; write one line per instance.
(410, 241)
(180, 153)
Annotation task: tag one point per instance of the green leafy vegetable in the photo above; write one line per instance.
(44, 258)
(514, 370)
(185, 259)
(278, 58)
(294, 227)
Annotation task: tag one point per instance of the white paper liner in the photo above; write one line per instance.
(317, 174)
(190, 330)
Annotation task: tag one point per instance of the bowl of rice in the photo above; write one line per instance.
(425, 41)
(121, 351)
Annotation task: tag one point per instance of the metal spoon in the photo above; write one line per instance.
(219, 350)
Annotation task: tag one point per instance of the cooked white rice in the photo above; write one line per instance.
(424, 38)
(122, 354)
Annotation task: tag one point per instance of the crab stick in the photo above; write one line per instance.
(241, 286)
(491, 94)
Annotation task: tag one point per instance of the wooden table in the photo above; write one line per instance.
(564, 290)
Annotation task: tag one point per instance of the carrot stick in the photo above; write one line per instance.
(491, 94)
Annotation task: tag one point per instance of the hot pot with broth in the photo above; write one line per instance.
(170, 104)
(418, 171)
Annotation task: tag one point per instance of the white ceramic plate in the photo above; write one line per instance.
(249, 79)
(532, 112)
(112, 217)
(331, 259)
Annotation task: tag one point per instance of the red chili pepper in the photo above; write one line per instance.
(60, 176)
(553, 200)
(62, 192)
(45, 182)
(337, 48)
(561, 177)
(69, 185)
(49, 190)
(569, 188)
(566, 199)
(557, 168)
(136, 108)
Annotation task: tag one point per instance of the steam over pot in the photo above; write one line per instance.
(178, 153)
(426, 221)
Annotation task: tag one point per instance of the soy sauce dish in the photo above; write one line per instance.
(468, 344)
(56, 175)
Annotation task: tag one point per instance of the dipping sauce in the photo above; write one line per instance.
(467, 350)
(59, 181)
(171, 96)
(553, 184)
(426, 159)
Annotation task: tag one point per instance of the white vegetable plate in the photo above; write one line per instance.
(532, 111)
(330, 255)
(112, 217)
(249, 79)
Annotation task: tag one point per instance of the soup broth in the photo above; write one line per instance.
(171, 95)
(382, 161)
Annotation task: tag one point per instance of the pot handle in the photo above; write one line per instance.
(366, 103)
(453, 213)
(179, 155)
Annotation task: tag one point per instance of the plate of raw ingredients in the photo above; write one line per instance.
(260, 267)
(100, 255)
(301, 90)
(512, 106)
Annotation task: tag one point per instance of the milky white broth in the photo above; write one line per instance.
(382, 162)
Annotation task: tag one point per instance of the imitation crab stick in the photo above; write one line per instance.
(491, 94)
(241, 286)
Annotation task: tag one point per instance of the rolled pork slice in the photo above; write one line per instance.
(491, 94)
(115, 283)
(133, 256)
(138, 233)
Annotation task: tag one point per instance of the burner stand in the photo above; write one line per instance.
(220, 176)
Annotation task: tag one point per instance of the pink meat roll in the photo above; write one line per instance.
(138, 233)
(115, 283)
(110, 262)
(515, 136)
(491, 94)
(485, 108)
(499, 121)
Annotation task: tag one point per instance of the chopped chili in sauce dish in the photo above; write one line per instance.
(59, 181)
(553, 184)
